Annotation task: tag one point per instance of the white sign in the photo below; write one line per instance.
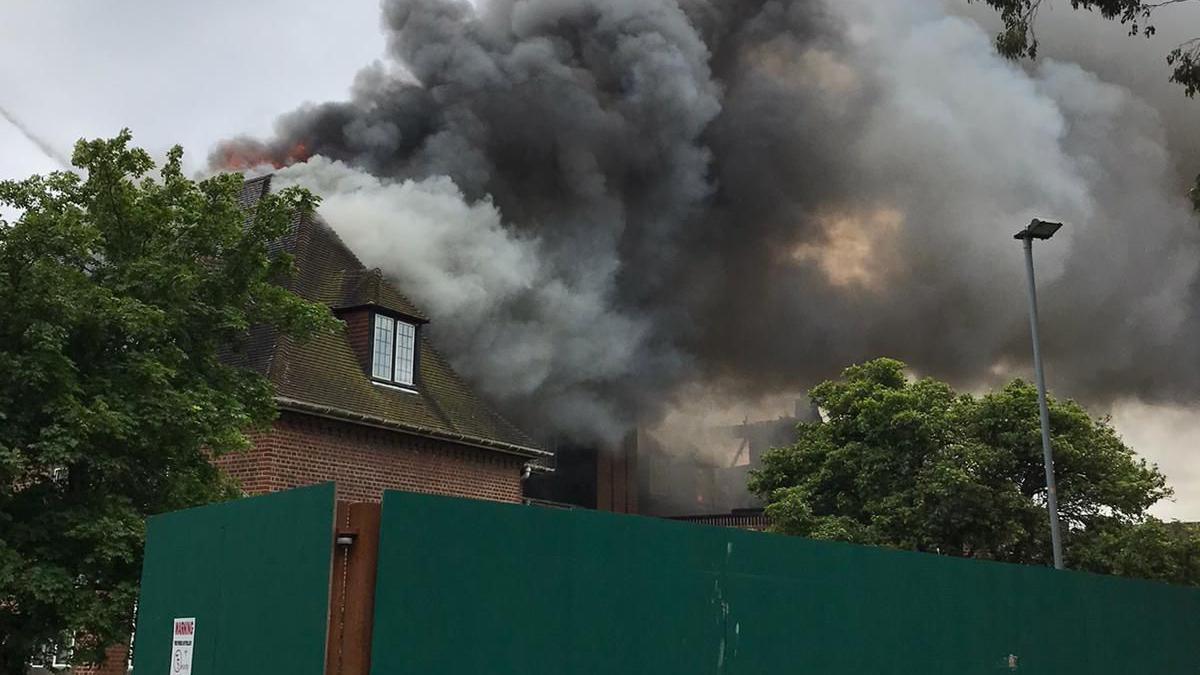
(181, 646)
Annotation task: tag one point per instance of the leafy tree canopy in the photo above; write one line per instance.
(1019, 37)
(119, 294)
(916, 465)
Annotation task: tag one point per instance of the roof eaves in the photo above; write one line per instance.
(380, 309)
(394, 425)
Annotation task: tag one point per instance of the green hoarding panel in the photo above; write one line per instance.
(253, 573)
(476, 587)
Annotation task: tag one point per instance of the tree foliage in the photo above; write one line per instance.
(118, 295)
(1019, 37)
(915, 465)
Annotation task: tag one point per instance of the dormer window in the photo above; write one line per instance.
(393, 351)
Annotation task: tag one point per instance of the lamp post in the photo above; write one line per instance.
(1040, 229)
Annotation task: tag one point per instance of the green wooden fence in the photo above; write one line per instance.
(475, 587)
(253, 573)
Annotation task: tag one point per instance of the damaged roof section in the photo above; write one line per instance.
(325, 375)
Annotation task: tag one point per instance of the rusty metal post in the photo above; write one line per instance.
(352, 593)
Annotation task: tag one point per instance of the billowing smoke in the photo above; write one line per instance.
(604, 203)
(526, 328)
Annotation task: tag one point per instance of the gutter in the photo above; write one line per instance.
(343, 415)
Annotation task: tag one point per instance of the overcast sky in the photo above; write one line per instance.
(174, 72)
(194, 73)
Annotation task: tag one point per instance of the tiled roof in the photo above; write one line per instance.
(368, 288)
(325, 376)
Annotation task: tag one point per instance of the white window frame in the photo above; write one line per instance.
(396, 341)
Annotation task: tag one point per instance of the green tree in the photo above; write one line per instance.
(915, 465)
(119, 295)
(1019, 37)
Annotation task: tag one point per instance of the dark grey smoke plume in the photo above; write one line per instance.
(602, 201)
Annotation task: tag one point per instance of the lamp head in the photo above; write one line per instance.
(1039, 229)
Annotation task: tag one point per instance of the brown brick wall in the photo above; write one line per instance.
(364, 461)
(617, 476)
(116, 661)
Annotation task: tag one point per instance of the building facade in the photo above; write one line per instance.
(373, 407)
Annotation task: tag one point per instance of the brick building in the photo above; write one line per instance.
(374, 407)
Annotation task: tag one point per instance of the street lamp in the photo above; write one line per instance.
(1040, 229)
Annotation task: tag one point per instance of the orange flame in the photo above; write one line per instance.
(243, 155)
(852, 251)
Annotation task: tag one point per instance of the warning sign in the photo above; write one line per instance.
(181, 649)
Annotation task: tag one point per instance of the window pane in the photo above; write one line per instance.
(406, 342)
(381, 360)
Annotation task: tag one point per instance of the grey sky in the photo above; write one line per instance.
(194, 73)
(175, 72)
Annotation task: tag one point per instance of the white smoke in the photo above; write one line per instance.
(968, 147)
(511, 322)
